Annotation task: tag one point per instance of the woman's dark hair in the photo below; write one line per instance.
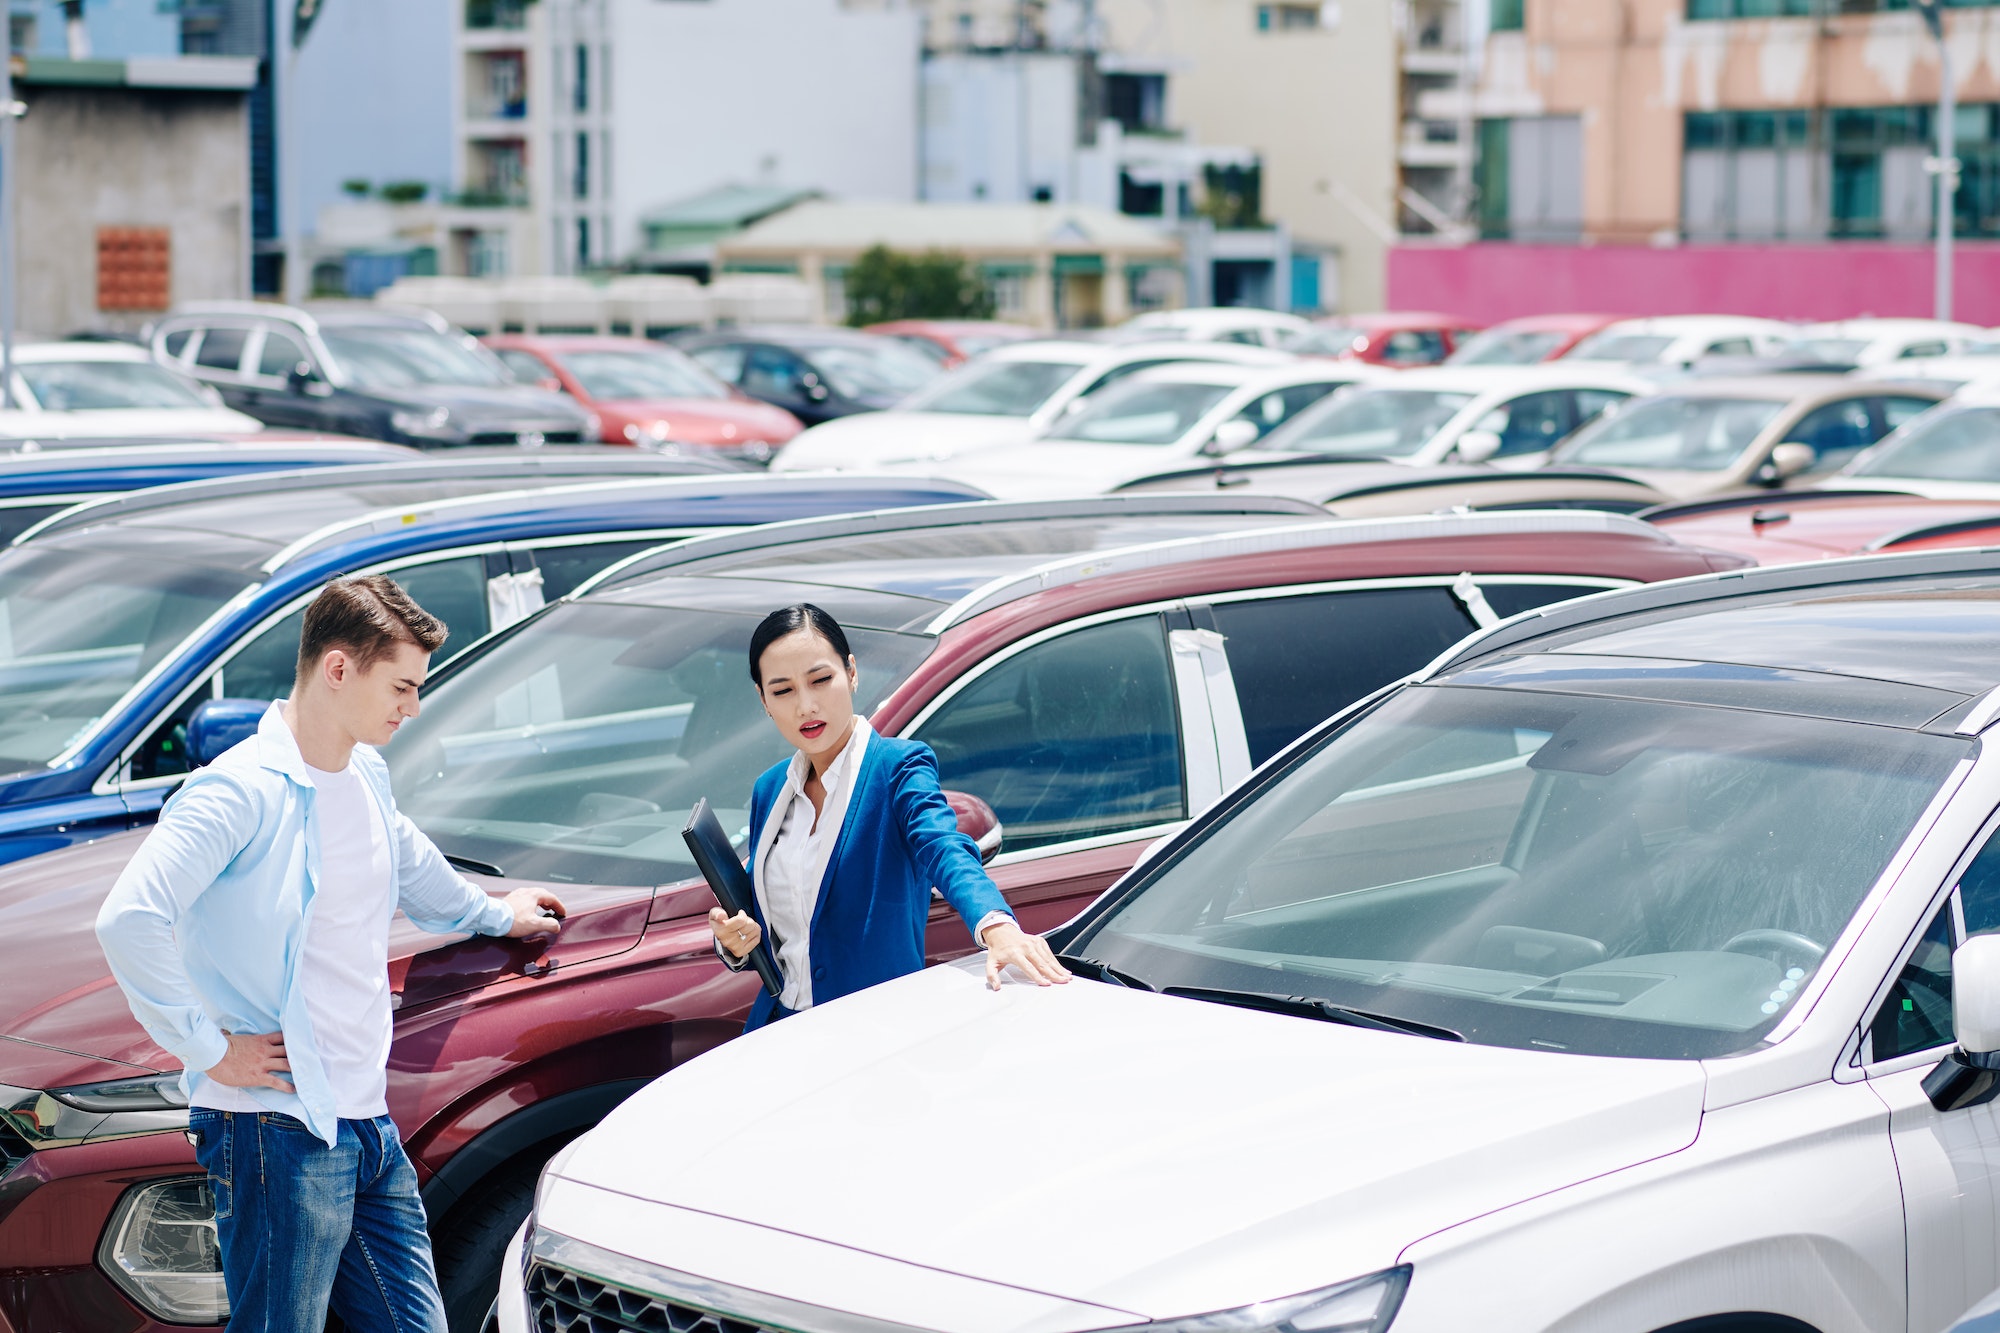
(790, 620)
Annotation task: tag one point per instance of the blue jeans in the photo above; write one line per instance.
(304, 1227)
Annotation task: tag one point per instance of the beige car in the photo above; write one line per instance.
(1372, 489)
(1707, 437)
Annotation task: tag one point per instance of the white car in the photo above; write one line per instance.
(1507, 415)
(1012, 393)
(1951, 452)
(1976, 362)
(1167, 417)
(1881, 343)
(84, 389)
(1675, 342)
(1230, 324)
(1602, 979)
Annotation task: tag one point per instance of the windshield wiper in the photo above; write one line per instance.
(476, 867)
(1096, 971)
(1304, 1006)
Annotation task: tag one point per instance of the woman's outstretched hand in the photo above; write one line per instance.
(738, 934)
(1007, 945)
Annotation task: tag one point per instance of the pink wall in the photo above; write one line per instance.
(1496, 281)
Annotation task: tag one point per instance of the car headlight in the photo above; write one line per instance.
(1365, 1305)
(432, 425)
(161, 1250)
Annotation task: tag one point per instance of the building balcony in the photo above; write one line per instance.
(1447, 60)
(1432, 143)
(491, 15)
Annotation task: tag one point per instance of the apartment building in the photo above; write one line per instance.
(1770, 157)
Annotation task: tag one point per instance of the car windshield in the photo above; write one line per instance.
(1608, 346)
(78, 628)
(1378, 422)
(1698, 434)
(885, 370)
(1327, 340)
(613, 375)
(575, 750)
(1503, 347)
(1139, 413)
(1955, 445)
(995, 388)
(398, 358)
(1555, 872)
(1841, 351)
(91, 386)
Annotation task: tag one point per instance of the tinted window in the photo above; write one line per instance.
(1917, 1014)
(1413, 347)
(1299, 660)
(1072, 738)
(527, 368)
(17, 519)
(281, 353)
(725, 361)
(772, 372)
(565, 567)
(1511, 599)
(1530, 423)
(1836, 430)
(395, 358)
(1279, 406)
(1979, 890)
(455, 592)
(222, 349)
(1897, 410)
(177, 341)
(1731, 347)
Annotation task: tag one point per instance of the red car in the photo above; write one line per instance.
(1525, 341)
(953, 341)
(645, 392)
(1095, 672)
(1392, 338)
(1790, 526)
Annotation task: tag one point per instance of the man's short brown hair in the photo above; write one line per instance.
(366, 617)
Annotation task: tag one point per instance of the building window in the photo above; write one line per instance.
(1530, 178)
(581, 91)
(1287, 17)
(1141, 199)
(582, 244)
(1752, 175)
(134, 268)
(1511, 15)
(1010, 292)
(1138, 102)
(1765, 9)
(581, 180)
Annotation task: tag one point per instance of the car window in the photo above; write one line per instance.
(724, 360)
(1730, 347)
(1116, 373)
(1836, 430)
(1670, 431)
(1591, 402)
(1511, 599)
(377, 357)
(1297, 661)
(1951, 444)
(176, 342)
(1924, 349)
(281, 353)
(565, 567)
(1896, 410)
(994, 388)
(1141, 412)
(1249, 337)
(222, 349)
(452, 590)
(82, 386)
(773, 372)
(1379, 421)
(1916, 1016)
(1413, 347)
(527, 368)
(1073, 738)
(1531, 423)
(1274, 409)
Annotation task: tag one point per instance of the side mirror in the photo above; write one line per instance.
(1970, 1075)
(303, 381)
(1791, 458)
(1476, 446)
(1231, 435)
(219, 724)
(977, 821)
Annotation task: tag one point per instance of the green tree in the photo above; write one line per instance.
(888, 284)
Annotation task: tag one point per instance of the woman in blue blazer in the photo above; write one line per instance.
(849, 836)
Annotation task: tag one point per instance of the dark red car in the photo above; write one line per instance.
(648, 393)
(1790, 526)
(1095, 672)
(953, 341)
(1399, 338)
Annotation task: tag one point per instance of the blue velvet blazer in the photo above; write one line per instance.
(899, 839)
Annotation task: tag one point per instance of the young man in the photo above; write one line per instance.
(250, 935)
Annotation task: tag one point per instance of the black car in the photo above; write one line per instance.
(403, 376)
(814, 373)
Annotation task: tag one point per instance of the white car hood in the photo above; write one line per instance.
(1135, 1151)
(869, 440)
(128, 421)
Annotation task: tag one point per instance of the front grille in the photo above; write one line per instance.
(569, 1302)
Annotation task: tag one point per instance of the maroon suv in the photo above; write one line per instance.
(1094, 671)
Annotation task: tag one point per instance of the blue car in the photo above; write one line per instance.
(119, 619)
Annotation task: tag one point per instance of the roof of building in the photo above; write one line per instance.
(1021, 228)
(192, 73)
(726, 206)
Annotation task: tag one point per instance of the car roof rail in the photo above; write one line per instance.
(917, 517)
(111, 508)
(1763, 500)
(1706, 589)
(466, 508)
(1258, 541)
(284, 314)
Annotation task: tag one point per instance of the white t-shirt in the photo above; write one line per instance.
(345, 964)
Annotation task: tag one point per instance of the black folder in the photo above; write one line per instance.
(729, 880)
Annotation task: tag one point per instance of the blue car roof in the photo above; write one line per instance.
(132, 467)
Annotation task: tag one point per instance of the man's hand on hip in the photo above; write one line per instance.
(254, 1061)
(536, 912)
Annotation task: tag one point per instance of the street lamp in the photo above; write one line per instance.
(1944, 165)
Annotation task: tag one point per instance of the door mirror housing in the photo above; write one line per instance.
(1789, 459)
(1476, 446)
(1231, 435)
(220, 723)
(977, 821)
(303, 381)
(1970, 1075)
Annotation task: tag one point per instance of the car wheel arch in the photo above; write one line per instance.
(493, 1149)
(1741, 1322)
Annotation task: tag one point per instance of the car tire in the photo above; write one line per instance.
(470, 1250)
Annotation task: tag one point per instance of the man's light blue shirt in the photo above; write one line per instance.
(206, 926)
